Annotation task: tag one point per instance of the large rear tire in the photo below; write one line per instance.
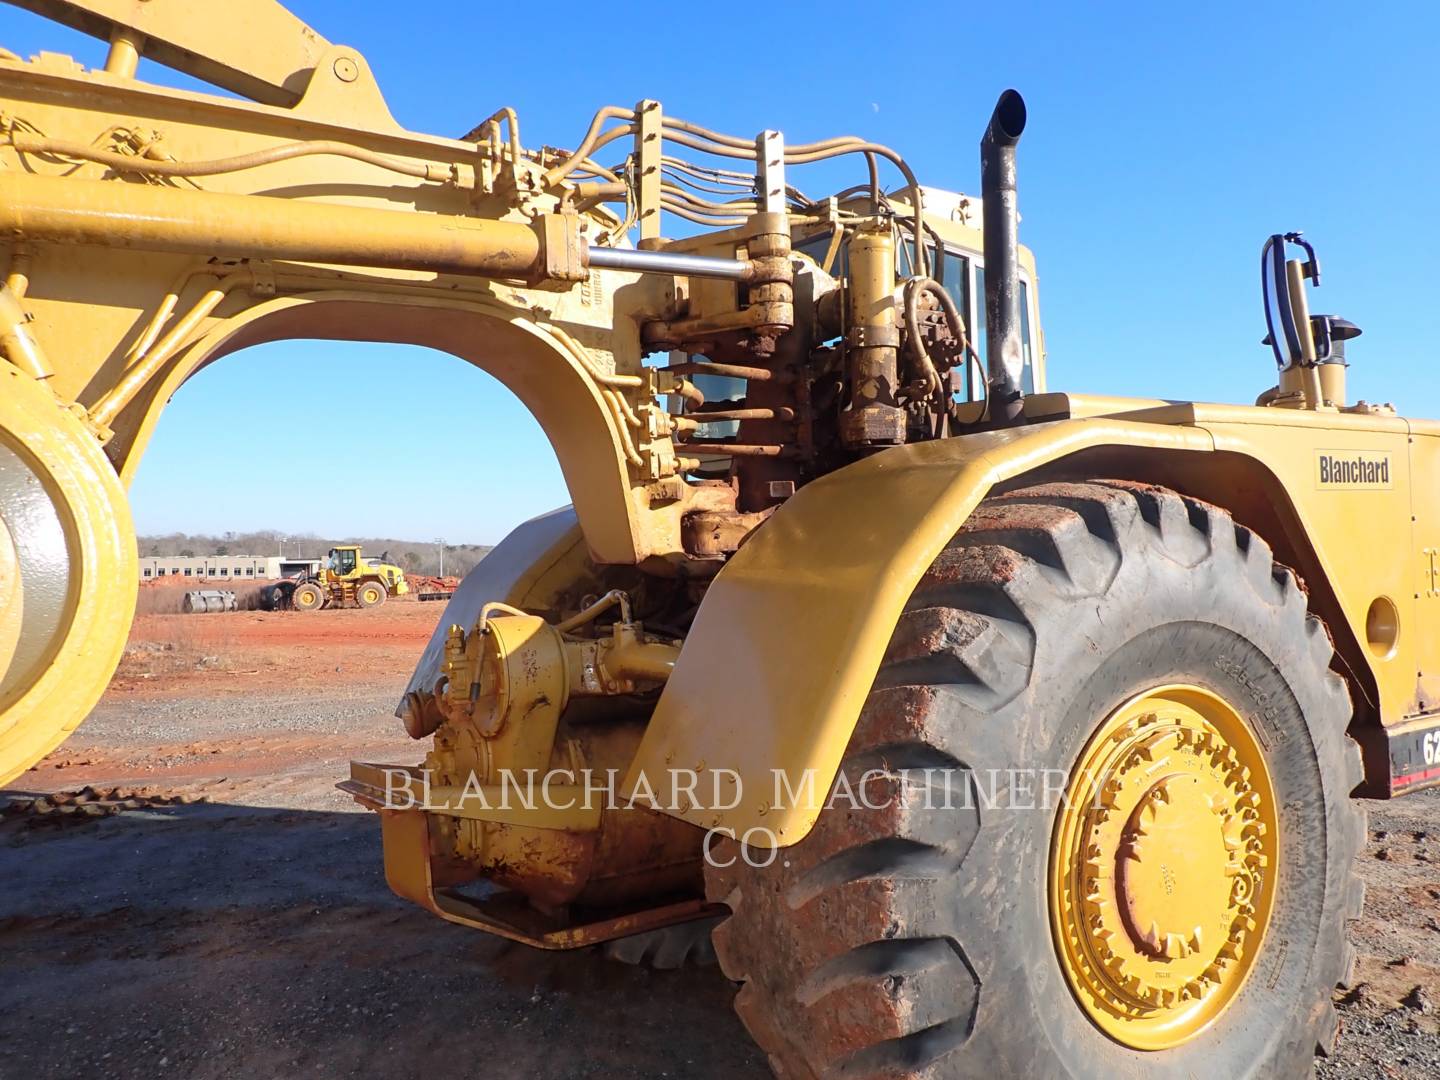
(1041, 927)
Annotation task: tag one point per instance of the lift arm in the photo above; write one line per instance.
(258, 49)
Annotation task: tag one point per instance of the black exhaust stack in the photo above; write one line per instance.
(1004, 359)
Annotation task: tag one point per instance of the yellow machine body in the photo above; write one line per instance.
(721, 595)
(164, 275)
(825, 579)
(347, 567)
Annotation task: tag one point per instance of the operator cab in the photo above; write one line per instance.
(342, 561)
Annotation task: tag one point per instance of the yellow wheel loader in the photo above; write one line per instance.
(1004, 731)
(346, 578)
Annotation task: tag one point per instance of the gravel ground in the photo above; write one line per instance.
(214, 941)
(252, 933)
(168, 719)
(1390, 1015)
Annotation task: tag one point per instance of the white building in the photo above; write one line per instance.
(222, 567)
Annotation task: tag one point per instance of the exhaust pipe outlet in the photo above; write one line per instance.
(1004, 358)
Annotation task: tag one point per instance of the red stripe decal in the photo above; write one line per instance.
(1415, 778)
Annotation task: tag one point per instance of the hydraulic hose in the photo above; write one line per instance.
(136, 163)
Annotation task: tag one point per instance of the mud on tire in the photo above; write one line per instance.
(915, 940)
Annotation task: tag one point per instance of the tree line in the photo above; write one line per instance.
(412, 556)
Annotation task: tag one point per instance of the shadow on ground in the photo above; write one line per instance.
(207, 940)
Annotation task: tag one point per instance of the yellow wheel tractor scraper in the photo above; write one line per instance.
(1007, 731)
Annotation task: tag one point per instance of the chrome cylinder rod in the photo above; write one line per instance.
(664, 262)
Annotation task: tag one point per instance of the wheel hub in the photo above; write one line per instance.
(1163, 864)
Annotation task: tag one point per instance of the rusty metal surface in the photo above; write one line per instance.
(716, 534)
(409, 870)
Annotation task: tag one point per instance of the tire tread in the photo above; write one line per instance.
(964, 646)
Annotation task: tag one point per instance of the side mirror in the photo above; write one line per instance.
(1287, 315)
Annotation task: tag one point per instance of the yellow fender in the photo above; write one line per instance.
(792, 632)
(787, 643)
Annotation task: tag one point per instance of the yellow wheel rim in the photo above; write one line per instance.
(12, 600)
(68, 572)
(1163, 866)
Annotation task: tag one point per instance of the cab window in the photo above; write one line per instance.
(953, 272)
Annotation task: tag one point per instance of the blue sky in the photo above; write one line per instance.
(1165, 142)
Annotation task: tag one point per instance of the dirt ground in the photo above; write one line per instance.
(230, 916)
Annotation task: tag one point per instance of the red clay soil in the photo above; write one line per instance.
(227, 858)
(203, 766)
(200, 901)
(242, 651)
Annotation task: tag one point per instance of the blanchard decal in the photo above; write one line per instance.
(1352, 469)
